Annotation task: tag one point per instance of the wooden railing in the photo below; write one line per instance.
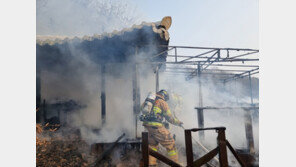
(220, 150)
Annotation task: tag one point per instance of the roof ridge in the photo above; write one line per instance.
(59, 39)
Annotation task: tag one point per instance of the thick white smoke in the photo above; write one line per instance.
(79, 18)
(214, 95)
(84, 17)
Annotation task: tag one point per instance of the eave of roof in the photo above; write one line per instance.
(51, 39)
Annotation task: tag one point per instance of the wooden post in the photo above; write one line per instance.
(39, 114)
(189, 149)
(136, 92)
(44, 118)
(103, 94)
(222, 148)
(145, 149)
(238, 158)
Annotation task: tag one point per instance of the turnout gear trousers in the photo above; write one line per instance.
(160, 135)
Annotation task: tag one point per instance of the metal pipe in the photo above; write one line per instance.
(232, 108)
(241, 74)
(188, 62)
(249, 131)
(194, 47)
(251, 92)
(176, 56)
(243, 55)
(200, 112)
(197, 56)
(157, 79)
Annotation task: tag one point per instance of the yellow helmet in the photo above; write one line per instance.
(165, 94)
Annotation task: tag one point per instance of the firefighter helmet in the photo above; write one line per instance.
(165, 94)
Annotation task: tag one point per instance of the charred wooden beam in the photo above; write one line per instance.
(136, 95)
(222, 148)
(108, 150)
(39, 114)
(206, 158)
(145, 149)
(189, 149)
(44, 111)
(103, 94)
(163, 158)
(239, 159)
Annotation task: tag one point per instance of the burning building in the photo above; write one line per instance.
(65, 65)
(95, 83)
(92, 82)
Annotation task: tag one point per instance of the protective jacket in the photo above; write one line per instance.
(158, 134)
(159, 111)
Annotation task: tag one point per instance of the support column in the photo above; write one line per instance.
(248, 122)
(236, 94)
(249, 131)
(251, 92)
(39, 114)
(200, 111)
(145, 149)
(136, 96)
(44, 111)
(200, 120)
(103, 94)
(176, 60)
(189, 149)
(222, 148)
(157, 79)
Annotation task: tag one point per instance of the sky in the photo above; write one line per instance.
(211, 23)
(203, 23)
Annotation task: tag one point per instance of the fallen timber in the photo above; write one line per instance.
(108, 150)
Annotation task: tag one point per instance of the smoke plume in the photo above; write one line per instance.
(84, 17)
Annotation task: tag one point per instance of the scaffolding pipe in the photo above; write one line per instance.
(157, 79)
(200, 114)
(251, 92)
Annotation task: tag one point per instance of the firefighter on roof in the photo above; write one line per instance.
(153, 122)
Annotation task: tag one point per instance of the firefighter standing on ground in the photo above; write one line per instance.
(158, 134)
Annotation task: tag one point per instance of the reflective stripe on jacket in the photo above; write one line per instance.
(161, 109)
